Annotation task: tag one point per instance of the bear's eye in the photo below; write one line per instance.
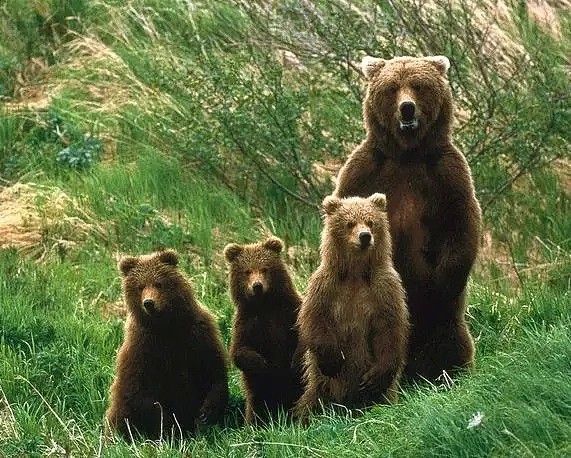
(248, 272)
(392, 88)
(419, 87)
(158, 285)
(350, 225)
(370, 223)
(264, 270)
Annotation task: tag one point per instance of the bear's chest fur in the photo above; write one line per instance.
(353, 307)
(413, 200)
(272, 335)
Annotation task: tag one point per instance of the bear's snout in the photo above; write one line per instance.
(257, 288)
(257, 284)
(407, 110)
(365, 239)
(149, 305)
(149, 300)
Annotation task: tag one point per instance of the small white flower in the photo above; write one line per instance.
(476, 420)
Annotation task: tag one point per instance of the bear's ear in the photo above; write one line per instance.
(169, 257)
(331, 204)
(442, 63)
(371, 65)
(380, 200)
(127, 264)
(231, 251)
(274, 244)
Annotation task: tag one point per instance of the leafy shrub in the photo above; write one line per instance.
(80, 155)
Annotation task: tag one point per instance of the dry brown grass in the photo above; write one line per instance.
(492, 32)
(496, 255)
(544, 259)
(8, 423)
(562, 168)
(39, 220)
(31, 92)
(325, 172)
(544, 12)
(111, 310)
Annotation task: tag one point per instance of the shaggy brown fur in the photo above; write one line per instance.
(353, 319)
(433, 212)
(171, 370)
(264, 338)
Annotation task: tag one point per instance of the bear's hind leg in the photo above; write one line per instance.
(306, 403)
(449, 348)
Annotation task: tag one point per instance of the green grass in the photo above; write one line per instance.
(191, 134)
(57, 363)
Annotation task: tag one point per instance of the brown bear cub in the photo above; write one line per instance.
(171, 372)
(264, 338)
(434, 216)
(353, 319)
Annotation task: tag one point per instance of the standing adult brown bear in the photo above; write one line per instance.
(264, 337)
(172, 367)
(434, 216)
(353, 320)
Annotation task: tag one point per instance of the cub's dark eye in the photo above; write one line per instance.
(350, 225)
(158, 284)
(418, 87)
(264, 270)
(248, 272)
(370, 223)
(392, 88)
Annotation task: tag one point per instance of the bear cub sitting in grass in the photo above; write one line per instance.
(264, 337)
(353, 320)
(171, 371)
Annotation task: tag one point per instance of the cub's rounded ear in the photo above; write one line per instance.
(331, 204)
(371, 65)
(127, 264)
(380, 200)
(442, 63)
(274, 244)
(231, 251)
(169, 257)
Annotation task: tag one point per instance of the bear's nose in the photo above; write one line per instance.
(149, 304)
(365, 239)
(407, 109)
(258, 288)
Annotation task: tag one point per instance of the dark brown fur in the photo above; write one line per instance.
(264, 338)
(172, 367)
(433, 212)
(353, 319)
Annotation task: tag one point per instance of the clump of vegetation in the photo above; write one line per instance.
(80, 155)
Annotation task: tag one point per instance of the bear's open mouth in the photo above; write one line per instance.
(409, 125)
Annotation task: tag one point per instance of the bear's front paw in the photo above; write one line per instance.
(203, 417)
(206, 415)
(330, 360)
(369, 379)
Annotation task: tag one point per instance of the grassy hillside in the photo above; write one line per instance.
(126, 128)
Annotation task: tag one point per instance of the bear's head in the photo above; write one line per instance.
(153, 284)
(256, 269)
(408, 98)
(356, 227)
